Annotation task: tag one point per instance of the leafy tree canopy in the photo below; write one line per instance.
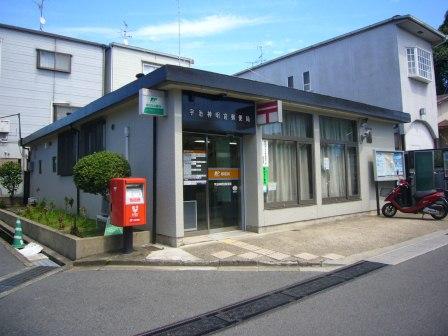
(441, 61)
(10, 177)
(93, 172)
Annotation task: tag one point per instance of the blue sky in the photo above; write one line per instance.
(222, 36)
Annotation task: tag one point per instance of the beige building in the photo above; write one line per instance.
(216, 168)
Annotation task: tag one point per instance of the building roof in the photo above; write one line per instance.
(407, 22)
(204, 80)
(442, 98)
(43, 33)
(125, 46)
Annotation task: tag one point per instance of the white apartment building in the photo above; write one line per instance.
(388, 64)
(45, 77)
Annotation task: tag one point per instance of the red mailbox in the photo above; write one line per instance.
(128, 201)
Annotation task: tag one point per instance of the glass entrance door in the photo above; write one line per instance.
(212, 187)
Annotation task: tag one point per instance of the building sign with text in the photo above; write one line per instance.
(202, 112)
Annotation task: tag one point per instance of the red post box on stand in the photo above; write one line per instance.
(128, 206)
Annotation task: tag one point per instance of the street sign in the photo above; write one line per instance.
(151, 103)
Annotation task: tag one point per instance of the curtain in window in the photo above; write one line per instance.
(337, 129)
(63, 62)
(352, 171)
(46, 59)
(333, 178)
(282, 171)
(305, 162)
(294, 124)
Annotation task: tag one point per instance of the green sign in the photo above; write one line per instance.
(112, 230)
(265, 178)
(152, 103)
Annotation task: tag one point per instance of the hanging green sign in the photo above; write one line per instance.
(152, 103)
(265, 178)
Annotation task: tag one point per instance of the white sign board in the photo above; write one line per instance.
(265, 153)
(388, 165)
(151, 103)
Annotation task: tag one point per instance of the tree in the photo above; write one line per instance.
(93, 172)
(441, 61)
(11, 177)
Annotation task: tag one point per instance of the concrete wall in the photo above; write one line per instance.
(416, 94)
(125, 63)
(32, 92)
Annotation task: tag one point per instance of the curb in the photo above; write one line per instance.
(52, 255)
(203, 263)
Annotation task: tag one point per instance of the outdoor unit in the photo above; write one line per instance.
(4, 126)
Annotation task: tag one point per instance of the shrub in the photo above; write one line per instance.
(93, 172)
(10, 177)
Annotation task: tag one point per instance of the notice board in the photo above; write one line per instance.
(388, 165)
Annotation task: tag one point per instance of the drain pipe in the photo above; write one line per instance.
(154, 178)
(126, 143)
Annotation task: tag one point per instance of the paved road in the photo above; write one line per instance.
(407, 299)
(8, 262)
(114, 302)
(410, 298)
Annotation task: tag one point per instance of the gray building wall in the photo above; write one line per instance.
(30, 91)
(369, 67)
(52, 187)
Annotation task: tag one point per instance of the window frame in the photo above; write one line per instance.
(62, 167)
(297, 141)
(291, 82)
(56, 105)
(306, 86)
(55, 53)
(151, 64)
(414, 65)
(346, 144)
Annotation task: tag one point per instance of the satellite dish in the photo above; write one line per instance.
(42, 20)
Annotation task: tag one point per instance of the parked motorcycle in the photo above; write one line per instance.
(432, 202)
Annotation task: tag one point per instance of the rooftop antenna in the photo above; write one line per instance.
(260, 58)
(178, 31)
(125, 33)
(42, 21)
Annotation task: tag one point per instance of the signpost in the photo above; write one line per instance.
(151, 103)
(388, 165)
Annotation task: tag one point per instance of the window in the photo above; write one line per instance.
(287, 149)
(291, 81)
(92, 138)
(62, 110)
(306, 81)
(419, 64)
(40, 166)
(339, 159)
(53, 164)
(67, 153)
(50, 60)
(148, 67)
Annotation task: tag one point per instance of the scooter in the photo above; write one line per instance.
(432, 202)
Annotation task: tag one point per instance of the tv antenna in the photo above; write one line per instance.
(260, 58)
(42, 21)
(178, 31)
(125, 33)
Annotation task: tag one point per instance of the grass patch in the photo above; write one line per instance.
(58, 219)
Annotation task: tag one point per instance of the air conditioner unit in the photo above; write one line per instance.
(3, 137)
(4, 126)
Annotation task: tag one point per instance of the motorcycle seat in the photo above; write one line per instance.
(421, 194)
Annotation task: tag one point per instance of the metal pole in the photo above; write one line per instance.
(377, 198)
(154, 179)
(128, 239)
